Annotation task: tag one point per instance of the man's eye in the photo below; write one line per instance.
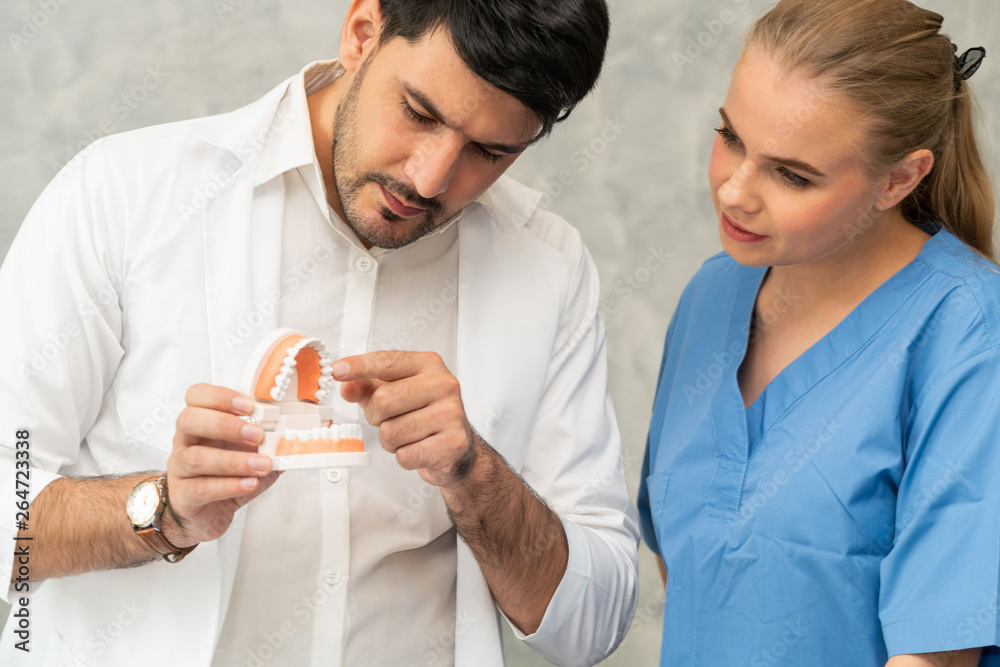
(492, 157)
(411, 112)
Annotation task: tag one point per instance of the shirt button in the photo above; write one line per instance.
(334, 475)
(365, 263)
(332, 577)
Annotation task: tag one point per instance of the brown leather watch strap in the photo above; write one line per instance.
(156, 540)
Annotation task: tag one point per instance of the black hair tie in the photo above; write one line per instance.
(967, 64)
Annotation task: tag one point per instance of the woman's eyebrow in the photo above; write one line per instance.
(797, 165)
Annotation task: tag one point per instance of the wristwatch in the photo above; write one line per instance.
(144, 508)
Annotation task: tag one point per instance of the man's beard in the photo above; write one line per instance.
(349, 185)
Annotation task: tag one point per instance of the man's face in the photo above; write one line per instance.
(418, 137)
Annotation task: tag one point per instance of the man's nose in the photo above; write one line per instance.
(433, 164)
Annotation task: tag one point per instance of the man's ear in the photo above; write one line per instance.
(904, 177)
(360, 34)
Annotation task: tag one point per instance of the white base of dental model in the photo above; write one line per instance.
(299, 432)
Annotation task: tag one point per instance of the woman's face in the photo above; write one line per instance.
(787, 174)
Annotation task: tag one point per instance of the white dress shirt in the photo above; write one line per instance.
(373, 545)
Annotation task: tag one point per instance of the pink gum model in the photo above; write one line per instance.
(298, 428)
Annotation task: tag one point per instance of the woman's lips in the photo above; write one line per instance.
(398, 207)
(738, 233)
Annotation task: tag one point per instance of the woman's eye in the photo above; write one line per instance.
(728, 137)
(793, 180)
(790, 179)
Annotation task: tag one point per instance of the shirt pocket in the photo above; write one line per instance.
(656, 486)
(166, 351)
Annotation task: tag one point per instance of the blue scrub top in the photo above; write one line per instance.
(853, 511)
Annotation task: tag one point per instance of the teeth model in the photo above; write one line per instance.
(298, 421)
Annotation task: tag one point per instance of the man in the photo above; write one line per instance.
(331, 206)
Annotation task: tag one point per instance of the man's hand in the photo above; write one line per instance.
(215, 468)
(416, 404)
(80, 526)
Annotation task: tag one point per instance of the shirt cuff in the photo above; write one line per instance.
(8, 530)
(567, 596)
(942, 633)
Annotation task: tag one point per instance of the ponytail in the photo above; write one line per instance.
(958, 191)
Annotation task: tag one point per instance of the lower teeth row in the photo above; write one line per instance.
(325, 433)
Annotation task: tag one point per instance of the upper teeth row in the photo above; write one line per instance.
(283, 380)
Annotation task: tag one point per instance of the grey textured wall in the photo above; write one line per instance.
(632, 159)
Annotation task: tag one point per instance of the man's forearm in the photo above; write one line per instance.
(519, 542)
(79, 525)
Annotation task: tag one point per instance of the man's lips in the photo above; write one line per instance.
(398, 207)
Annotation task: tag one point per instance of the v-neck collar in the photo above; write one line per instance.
(735, 445)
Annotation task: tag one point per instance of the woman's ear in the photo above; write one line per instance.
(904, 177)
(361, 32)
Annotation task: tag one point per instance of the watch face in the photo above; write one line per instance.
(143, 503)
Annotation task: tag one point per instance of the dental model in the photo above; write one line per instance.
(298, 427)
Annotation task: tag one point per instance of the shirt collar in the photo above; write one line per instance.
(289, 143)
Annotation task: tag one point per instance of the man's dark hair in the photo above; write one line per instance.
(545, 53)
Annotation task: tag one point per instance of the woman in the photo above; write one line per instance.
(822, 479)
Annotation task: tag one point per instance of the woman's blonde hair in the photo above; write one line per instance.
(890, 57)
